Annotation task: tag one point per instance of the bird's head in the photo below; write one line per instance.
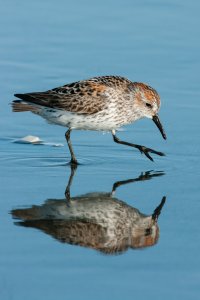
(147, 102)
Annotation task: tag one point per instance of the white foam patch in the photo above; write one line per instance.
(35, 140)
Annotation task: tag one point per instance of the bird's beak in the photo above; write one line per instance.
(158, 209)
(159, 125)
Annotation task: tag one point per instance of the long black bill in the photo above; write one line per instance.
(159, 125)
(158, 209)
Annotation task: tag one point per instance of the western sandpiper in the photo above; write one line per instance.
(101, 103)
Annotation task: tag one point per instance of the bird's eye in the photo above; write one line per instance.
(148, 105)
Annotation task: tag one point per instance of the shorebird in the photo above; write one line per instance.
(95, 220)
(101, 103)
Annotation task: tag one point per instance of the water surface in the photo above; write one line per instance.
(46, 45)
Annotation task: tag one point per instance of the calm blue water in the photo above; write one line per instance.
(44, 45)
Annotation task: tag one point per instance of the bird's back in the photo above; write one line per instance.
(100, 103)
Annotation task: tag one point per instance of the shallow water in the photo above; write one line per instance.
(44, 46)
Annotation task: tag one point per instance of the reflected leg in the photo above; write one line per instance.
(143, 176)
(67, 190)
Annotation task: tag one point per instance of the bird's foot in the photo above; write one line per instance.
(150, 174)
(146, 151)
(73, 163)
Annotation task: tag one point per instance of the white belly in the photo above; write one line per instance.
(98, 121)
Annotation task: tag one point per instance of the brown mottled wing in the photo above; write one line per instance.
(75, 232)
(84, 97)
(72, 232)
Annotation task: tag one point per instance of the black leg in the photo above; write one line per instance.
(73, 158)
(142, 149)
(67, 190)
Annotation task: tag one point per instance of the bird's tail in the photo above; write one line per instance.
(26, 213)
(21, 106)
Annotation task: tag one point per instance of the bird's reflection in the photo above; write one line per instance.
(95, 220)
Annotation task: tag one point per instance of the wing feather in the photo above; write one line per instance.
(82, 98)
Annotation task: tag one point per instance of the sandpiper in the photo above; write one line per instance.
(101, 103)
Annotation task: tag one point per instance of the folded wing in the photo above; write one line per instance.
(84, 97)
